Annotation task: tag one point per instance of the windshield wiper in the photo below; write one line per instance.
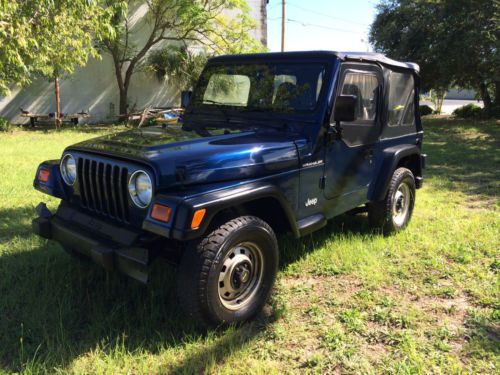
(219, 106)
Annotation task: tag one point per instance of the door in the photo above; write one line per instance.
(349, 163)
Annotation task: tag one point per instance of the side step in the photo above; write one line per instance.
(311, 224)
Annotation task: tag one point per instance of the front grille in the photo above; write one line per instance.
(103, 188)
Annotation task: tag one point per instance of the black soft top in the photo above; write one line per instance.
(345, 56)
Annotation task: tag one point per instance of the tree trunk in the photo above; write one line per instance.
(58, 102)
(123, 101)
(497, 94)
(440, 95)
(485, 95)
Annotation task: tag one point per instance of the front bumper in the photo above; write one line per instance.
(111, 246)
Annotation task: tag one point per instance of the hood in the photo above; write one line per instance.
(180, 156)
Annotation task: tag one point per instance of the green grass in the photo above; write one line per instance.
(346, 301)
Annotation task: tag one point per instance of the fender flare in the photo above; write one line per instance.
(390, 159)
(215, 202)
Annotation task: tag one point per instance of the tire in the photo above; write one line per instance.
(226, 277)
(393, 214)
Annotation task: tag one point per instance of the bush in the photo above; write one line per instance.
(425, 110)
(493, 112)
(468, 111)
(5, 125)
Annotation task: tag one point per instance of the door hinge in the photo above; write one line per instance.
(322, 183)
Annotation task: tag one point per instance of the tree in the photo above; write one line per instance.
(200, 22)
(48, 38)
(179, 65)
(454, 41)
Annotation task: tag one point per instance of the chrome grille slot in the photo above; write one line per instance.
(103, 188)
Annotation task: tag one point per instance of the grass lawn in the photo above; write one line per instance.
(346, 301)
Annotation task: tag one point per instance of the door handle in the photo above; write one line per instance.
(368, 154)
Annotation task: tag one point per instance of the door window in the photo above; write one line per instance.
(363, 85)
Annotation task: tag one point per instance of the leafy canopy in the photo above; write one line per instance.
(454, 41)
(48, 37)
(219, 26)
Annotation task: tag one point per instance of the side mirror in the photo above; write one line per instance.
(185, 98)
(345, 108)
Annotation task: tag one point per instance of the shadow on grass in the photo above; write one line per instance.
(54, 308)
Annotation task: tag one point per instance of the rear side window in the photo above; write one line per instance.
(363, 85)
(401, 99)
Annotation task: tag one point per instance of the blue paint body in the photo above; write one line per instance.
(298, 165)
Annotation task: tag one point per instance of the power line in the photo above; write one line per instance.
(325, 15)
(304, 24)
(270, 6)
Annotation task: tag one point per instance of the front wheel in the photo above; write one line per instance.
(394, 212)
(226, 277)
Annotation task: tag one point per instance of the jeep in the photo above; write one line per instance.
(269, 144)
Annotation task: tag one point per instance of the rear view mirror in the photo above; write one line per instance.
(185, 98)
(345, 108)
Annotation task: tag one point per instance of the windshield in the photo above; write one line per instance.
(275, 87)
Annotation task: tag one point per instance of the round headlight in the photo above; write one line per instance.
(140, 189)
(68, 169)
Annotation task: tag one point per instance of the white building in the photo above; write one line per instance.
(93, 88)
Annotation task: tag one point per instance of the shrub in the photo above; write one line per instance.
(5, 125)
(493, 112)
(425, 110)
(468, 111)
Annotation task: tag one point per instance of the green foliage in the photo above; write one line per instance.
(454, 41)
(218, 26)
(48, 37)
(425, 110)
(468, 111)
(436, 97)
(178, 65)
(5, 125)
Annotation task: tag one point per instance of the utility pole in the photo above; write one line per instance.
(58, 102)
(283, 20)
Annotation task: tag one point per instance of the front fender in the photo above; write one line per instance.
(179, 227)
(391, 157)
(54, 185)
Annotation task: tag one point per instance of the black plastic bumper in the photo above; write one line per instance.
(111, 246)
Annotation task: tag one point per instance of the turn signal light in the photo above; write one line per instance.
(198, 218)
(161, 212)
(43, 175)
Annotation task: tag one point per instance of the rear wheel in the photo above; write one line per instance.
(227, 276)
(394, 212)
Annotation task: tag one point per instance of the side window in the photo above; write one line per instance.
(401, 100)
(363, 85)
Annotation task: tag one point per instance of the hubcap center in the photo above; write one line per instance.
(399, 202)
(241, 275)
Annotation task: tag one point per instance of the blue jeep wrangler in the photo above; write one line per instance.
(269, 144)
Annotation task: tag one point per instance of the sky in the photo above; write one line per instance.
(337, 25)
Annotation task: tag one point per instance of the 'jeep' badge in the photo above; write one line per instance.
(311, 202)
